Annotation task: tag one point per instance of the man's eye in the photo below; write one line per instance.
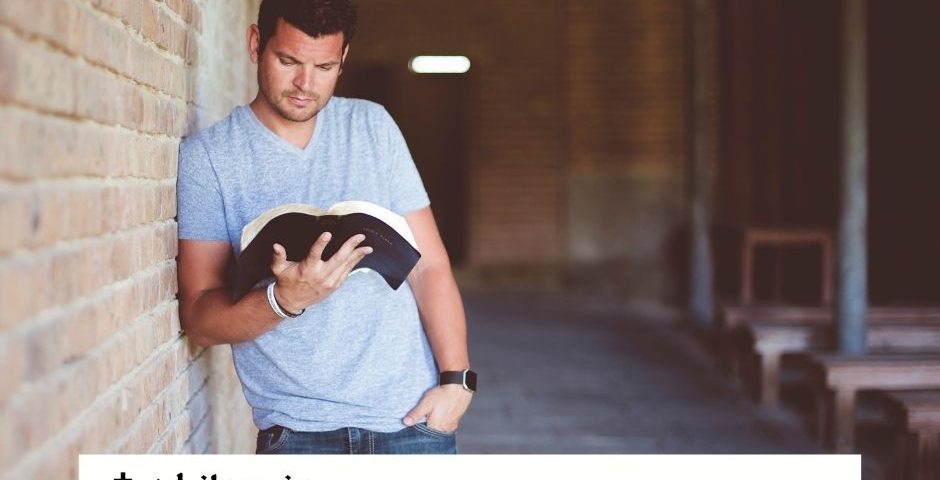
(286, 62)
(325, 68)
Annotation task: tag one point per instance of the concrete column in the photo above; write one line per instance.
(700, 278)
(852, 304)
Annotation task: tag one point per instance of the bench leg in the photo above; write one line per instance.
(927, 463)
(733, 361)
(844, 418)
(823, 413)
(735, 355)
(769, 378)
(903, 461)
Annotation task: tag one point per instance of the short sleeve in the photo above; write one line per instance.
(200, 210)
(407, 190)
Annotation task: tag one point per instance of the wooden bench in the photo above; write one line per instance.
(732, 319)
(770, 341)
(768, 332)
(837, 378)
(735, 316)
(917, 414)
(752, 237)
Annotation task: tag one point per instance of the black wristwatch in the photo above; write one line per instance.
(465, 378)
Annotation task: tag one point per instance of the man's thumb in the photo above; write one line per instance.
(415, 414)
(280, 258)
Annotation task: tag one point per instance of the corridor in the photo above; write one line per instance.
(574, 374)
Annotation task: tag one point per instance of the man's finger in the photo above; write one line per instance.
(422, 410)
(315, 253)
(279, 261)
(342, 271)
(341, 256)
(354, 259)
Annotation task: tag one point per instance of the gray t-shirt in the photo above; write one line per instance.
(360, 357)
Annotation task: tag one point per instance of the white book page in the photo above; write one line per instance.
(394, 220)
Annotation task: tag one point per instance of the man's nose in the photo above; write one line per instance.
(304, 79)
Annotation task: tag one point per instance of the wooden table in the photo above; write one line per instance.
(836, 379)
(917, 414)
(771, 340)
(734, 316)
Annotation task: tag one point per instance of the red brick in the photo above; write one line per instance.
(47, 146)
(61, 276)
(89, 414)
(72, 332)
(16, 293)
(187, 11)
(16, 216)
(69, 92)
(32, 85)
(149, 20)
(13, 359)
(78, 29)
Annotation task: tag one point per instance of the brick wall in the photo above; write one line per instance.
(578, 131)
(517, 142)
(627, 106)
(94, 97)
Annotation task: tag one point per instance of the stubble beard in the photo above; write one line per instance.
(284, 108)
(281, 102)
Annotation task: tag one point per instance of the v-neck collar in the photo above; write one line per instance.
(255, 124)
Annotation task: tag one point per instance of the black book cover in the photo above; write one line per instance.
(393, 256)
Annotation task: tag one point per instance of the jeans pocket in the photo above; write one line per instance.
(272, 439)
(424, 428)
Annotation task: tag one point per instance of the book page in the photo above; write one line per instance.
(250, 231)
(393, 219)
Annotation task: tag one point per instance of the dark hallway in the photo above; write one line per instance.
(579, 374)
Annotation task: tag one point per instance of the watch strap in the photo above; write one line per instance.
(466, 378)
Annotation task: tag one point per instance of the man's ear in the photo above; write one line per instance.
(254, 42)
(343, 61)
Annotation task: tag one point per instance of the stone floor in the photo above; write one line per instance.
(575, 374)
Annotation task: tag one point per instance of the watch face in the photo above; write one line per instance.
(471, 380)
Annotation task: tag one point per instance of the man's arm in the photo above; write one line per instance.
(207, 312)
(210, 316)
(442, 315)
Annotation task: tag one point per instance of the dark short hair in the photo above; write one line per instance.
(316, 18)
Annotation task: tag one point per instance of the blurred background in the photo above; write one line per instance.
(612, 179)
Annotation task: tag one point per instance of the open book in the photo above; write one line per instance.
(297, 226)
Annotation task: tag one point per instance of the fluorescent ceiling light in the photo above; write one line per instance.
(439, 64)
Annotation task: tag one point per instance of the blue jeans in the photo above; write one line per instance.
(415, 439)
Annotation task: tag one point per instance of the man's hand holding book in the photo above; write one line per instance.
(301, 284)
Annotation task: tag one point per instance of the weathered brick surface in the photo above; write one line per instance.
(94, 98)
(102, 41)
(65, 91)
(80, 149)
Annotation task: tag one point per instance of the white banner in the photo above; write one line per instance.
(470, 467)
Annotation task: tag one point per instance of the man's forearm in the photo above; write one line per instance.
(214, 318)
(443, 316)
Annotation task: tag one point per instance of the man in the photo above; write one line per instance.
(329, 364)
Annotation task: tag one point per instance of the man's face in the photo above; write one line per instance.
(297, 73)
